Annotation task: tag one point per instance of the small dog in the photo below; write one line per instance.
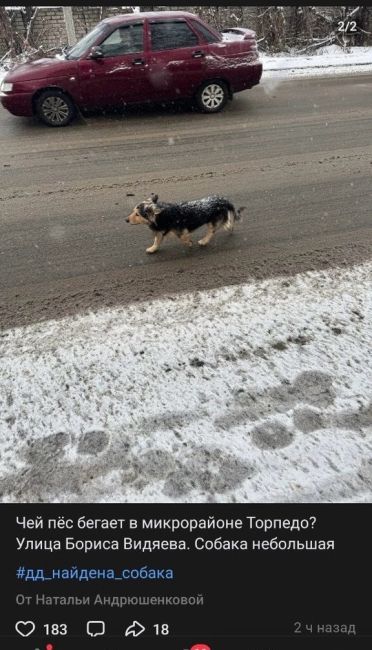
(183, 218)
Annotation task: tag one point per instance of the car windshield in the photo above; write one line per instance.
(88, 40)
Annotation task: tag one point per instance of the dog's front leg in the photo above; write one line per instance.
(207, 238)
(156, 244)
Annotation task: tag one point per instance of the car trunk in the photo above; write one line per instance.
(246, 38)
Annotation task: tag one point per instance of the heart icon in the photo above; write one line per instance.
(25, 628)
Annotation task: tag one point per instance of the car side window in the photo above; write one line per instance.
(127, 39)
(204, 32)
(171, 35)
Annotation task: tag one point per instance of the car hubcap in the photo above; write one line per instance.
(212, 96)
(55, 109)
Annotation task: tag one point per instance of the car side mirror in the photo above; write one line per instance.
(96, 53)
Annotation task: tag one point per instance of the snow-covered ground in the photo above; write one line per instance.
(327, 60)
(2, 73)
(260, 392)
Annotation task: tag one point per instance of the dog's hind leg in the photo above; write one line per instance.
(210, 232)
(185, 238)
(157, 241)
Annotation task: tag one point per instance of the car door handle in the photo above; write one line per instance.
(138, 62)
(198, 54)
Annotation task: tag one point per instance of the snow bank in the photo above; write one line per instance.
(327, 60)
(260, 392)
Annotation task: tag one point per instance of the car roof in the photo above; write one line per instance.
(113, 20)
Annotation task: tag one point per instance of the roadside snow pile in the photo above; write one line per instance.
(345, 55)
(260, 392)
(327, 60)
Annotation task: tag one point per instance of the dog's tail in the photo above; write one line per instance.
(239, 212)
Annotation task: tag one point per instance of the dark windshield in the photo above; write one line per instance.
(86, 42)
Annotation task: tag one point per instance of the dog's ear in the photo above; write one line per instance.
(152, 212)
(154, 198)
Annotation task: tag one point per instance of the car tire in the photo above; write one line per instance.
(212, 96)
(55, 108)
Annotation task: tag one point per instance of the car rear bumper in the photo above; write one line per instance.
(259, 70)
(254, 74)
(250, 77)
(17, 103)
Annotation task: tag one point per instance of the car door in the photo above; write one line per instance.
(119, 77)
(176, 59)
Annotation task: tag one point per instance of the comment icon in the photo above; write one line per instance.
(96, 628)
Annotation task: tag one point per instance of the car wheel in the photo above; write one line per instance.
(212, 96)
(55, 108)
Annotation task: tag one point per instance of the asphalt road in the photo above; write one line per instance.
(298, 154)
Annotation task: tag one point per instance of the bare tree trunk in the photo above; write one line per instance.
(5, 27)
(29, 41)
(274, 28)
(301, 26)
(11, 37)
(102, 13)
(363, 17)
(70, 27)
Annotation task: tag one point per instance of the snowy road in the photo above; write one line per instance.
(297, 153)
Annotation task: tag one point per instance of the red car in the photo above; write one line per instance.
(136, 58)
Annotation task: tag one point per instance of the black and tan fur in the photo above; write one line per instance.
(181, 219)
